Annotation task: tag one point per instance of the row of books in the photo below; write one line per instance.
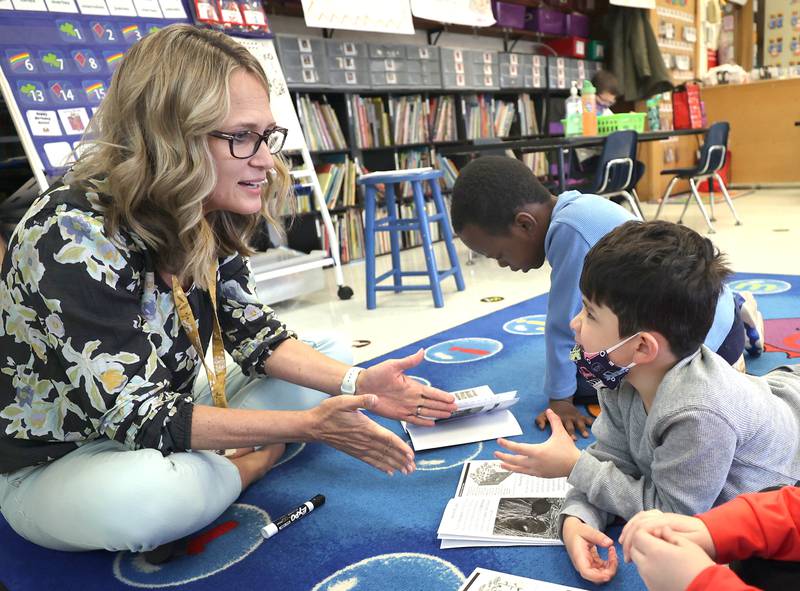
(371, 121)
(410, 119)
(338, 182)
(527, 115)
(320, 125)
(413, 119)
(349, 228)
(442, 119)
(478, 117)
(449, 170)
(504, 112)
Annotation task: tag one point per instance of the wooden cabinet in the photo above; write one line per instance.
(764, 138)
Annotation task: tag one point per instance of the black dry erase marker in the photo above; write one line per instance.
(294, 515)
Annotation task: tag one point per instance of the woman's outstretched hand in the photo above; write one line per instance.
(339, 422)
(401, 397)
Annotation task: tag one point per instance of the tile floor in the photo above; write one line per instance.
(764, 243)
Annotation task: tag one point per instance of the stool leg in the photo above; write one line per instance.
(665, 198)
(724, 190)
(447, 233)
(693, 185)
(427, 247)
(369, 243)
(394, 238)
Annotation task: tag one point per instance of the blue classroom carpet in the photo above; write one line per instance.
(377, 532)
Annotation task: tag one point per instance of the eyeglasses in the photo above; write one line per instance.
(245, 144)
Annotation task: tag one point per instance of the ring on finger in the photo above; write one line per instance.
(419, 409)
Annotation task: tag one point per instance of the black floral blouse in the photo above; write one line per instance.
(90, 343)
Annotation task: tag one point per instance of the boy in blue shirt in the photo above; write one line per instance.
(503, 212)
(680, 429)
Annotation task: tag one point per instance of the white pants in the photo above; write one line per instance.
(104, 496)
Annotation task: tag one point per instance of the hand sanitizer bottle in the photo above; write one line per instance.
(573, 124)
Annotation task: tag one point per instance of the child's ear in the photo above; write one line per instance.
(647, 348)
(525, 221)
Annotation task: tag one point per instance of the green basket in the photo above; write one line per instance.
(607, 124)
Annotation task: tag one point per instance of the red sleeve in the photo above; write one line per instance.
(718, 578)
(759, 524)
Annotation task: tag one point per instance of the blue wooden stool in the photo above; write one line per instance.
(393, 224)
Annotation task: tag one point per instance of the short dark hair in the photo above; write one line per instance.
(657, 276)
(489, 192)
(605, 81)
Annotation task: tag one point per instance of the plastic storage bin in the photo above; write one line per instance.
(545, 20)
(577, 24)
(277, 276)
(607, 124)
(570, 46)
(509, 15)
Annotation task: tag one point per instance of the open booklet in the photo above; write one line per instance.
(481, 415)
(483, 579)
(495, 507)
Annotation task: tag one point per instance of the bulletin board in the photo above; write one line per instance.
(57, 59)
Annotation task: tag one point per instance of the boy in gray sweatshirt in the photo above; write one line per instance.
(680, 429)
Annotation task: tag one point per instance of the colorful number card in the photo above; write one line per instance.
(58, 57)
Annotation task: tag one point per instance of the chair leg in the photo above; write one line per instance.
(427, 246)
(685, 209)
(665, 198)
(710, 182)
(634, 209)
(369, 243)
(724, 190)
(693, 185)
(638, 204)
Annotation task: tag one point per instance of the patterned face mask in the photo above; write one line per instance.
(598, 369)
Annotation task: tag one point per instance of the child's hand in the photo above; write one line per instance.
(581, 541)
(572, 418)
(667, 563)
(552, 459)
(654, 522)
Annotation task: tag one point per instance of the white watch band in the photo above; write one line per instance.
(349, 382)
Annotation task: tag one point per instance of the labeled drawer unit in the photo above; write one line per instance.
(347, 48)
(385, 50)
(303, 60)
(355, 79)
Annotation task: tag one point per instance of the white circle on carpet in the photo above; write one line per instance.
(447, 457)
(760, 286)
(463, 350)
(416, 571)
(532, 325)
(229, 539)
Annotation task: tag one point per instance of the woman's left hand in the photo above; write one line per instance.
(401, 397)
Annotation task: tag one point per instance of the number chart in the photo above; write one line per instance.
(58, 57)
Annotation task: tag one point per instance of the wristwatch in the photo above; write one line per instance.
(349, 382)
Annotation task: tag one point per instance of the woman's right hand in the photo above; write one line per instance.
(339, 422)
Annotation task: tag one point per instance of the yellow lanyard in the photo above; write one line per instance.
(216, 378)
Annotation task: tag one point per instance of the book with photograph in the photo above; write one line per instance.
(483, 579)
(481, 415)
(495, 507)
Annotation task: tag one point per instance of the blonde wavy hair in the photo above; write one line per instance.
(148, 146)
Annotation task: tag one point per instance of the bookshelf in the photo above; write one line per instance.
(389, 106)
